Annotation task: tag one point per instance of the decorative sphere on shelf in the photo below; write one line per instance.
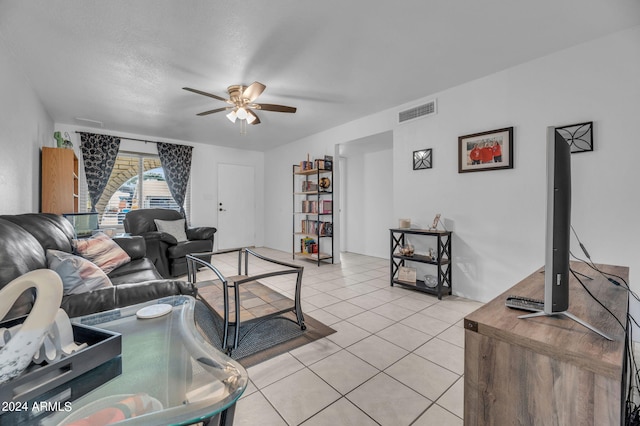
(324, 183)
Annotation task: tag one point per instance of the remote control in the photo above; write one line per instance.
(524, 303)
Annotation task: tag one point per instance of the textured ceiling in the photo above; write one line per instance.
(123, 62)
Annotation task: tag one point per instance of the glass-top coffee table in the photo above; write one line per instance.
(170, 374)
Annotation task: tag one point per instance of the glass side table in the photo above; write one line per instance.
(166, 363)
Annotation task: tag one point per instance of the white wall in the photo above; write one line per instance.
(204, 172)
(24, 127)
(367, 204)
(498, 216)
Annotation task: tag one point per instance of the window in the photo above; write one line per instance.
(136, 182)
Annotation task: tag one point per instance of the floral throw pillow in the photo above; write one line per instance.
(78, 274)
(103, 251)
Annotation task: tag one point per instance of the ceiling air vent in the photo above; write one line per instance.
(420, 111)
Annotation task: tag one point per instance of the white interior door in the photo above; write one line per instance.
(236, 206)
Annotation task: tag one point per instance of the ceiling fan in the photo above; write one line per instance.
(241, 98)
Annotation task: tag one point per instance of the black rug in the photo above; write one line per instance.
(260, 340)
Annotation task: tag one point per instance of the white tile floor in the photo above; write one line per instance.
(397, 357)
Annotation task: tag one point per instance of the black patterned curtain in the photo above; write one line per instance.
(99, 154)
(176, 163)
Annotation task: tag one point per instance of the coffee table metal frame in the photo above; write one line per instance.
(194, 262)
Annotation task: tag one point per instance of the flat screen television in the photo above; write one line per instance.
(558, 224)
(558, 232)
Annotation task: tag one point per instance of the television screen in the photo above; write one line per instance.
(558, 225)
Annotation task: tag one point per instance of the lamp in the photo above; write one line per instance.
(244, 116)
(241, 113)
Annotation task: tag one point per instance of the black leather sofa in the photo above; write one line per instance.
(24, 240)
(168, 254)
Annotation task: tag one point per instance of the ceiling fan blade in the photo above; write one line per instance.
(277, 108)
(214, 110)
(253, 91)
(257, 119)
(200, 92)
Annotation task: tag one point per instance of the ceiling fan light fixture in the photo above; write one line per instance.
(241, 113)
(241, 100)
(232, 116)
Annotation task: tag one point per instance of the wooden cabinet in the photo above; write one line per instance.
(59, 181)
(313, 214)
(548, 370)
(440, 258)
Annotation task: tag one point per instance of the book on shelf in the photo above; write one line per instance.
(325, 163)
(308, 246)
(315, 207)
(328, 162)
(306, 165)
(315, 227)
(309, 186)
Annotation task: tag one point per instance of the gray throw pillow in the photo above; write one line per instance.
(77, 273)
(172, 227)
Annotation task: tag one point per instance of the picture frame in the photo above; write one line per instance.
(477, 151)
(578, 136)
(422, 159)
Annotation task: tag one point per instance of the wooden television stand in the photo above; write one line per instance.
(548, 370)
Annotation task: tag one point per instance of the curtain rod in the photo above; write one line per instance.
(122, 137)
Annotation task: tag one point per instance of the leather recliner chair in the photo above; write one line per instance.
(167, 254)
